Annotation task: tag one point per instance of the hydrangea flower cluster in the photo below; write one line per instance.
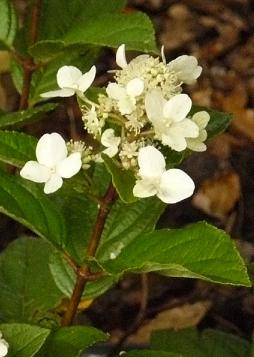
(140, 112)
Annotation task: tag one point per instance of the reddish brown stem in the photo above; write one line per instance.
(83, 273)
(28, 63)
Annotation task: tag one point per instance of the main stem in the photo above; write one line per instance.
(83, 272)
(28, 64)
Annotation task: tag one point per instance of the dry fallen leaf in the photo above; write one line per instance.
(184, 316)
(217, 196)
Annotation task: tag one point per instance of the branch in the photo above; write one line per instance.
(28, 64)
(83, 274)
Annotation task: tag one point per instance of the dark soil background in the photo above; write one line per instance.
(220, 34)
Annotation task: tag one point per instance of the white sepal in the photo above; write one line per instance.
(36, 172)
(51, 149)
(177, 107)
(53, 184)
(120, 56)
(69, 166)
(4, 346)
(151, 162)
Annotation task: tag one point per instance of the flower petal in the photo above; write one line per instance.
(86, 79)
(163, 57)
(51, 149)
(126, 105)
(53, 184)
(201, 119)
(65, 92)
(35, 172)
(108, 138)
(154, 103)
(69, 166)
(120, 56)
(68, 76)
(175, 186)
(187, 68)
(196, 145)
(4, 346)
(186, 128)
(177, 107)
(151, 162)
(174, 139)
(144, 188)
(115, 91)
(135, 87)
(111, 151)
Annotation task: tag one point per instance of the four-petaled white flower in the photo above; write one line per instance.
(186, 67)
(71, 81)
(201, 119)
(111, 142)
(170, 186)
(169, 119)
(126, 96)
(53, 164)
(4, 346)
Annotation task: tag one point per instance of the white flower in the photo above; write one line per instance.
(126, 96)
(186, 68)
(120, 56)
(70, 81)
(111, 142)
(4, 346)
(169, 119)
(53, 163)
(201, 119)
(170, 186)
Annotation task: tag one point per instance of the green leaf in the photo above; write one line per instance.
(210, 343)
(79, 23)
(54, 27)
(149, 353)
(219, 121)
(126, 222)
(24, 340)
(197, 251)
(16, 148)
(27, 288)
(24, 117)
(80, 215)
(109, 29)
(123, 180)
(71, 341)
(65, 279)
(26, 203)
(8, 24)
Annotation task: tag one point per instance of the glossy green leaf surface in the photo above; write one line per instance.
(28, 290)
(197, 251)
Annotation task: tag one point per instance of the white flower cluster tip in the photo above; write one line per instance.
(4, 346)
(53, 163)
(140, 111)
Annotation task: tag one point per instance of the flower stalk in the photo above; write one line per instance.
(83, 273)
